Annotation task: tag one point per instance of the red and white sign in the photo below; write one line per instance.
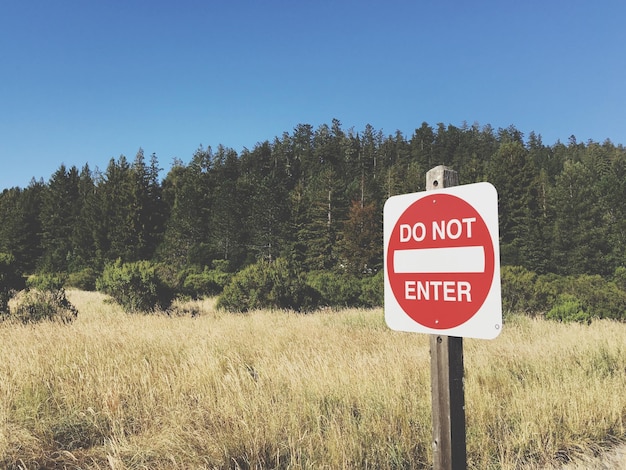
(442, 262)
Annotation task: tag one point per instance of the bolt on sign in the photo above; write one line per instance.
(442, 262)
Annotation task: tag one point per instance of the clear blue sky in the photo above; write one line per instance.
(86, 81)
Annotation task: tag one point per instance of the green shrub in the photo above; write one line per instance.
(205, 283)
(85, 279)
(137, 286)
(35, 305)
(266, 284)
(602, 298)
(45, 282)
(525, 292)
(336, 290)
(619, 277)
(10, 281)
(43, 299)
(373, 290)
(568, 309)
(548, 288)
(518, 286)
(168, 279)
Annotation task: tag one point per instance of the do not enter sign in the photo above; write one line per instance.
(442, 267)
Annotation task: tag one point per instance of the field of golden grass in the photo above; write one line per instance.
(330, 390)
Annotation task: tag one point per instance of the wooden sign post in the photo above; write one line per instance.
(442, 278)
(446, 375)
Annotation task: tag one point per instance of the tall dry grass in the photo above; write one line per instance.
(281, 390)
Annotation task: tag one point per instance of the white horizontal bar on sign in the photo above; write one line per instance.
(457, 259)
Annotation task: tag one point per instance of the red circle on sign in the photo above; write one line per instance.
(440, 261)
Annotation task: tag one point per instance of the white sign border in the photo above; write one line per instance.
(487, 322)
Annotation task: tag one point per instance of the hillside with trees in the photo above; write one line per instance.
(313, 198)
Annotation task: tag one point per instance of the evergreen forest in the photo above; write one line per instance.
(313, 198)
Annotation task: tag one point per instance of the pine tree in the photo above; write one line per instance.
(20, 225)
(83, 245)
(512, 173)
(580, 239)
(613, 188)
(188, 192)
(115, 229)
(263, 177)
(359, 248)
(147, 206)
(59, 215)
(226, 216)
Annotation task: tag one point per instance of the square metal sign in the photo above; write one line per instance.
(442, 262)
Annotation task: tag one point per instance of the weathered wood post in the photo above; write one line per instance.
(442, 277)
(446, 374)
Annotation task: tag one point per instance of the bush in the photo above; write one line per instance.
(548, 288)
(45, 282)
(519, 290)
(43, 299)
(568, 309)
(373, 290)
(10, 281)
(137, 286)
(335, 290)
(35, 305)
(266, 284)
(602, 298)
(84, 279)
(208, 282)
(523, 291)
(619, 277)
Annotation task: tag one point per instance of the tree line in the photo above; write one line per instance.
(314, 197)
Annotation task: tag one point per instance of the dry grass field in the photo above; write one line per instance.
(331, 390)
